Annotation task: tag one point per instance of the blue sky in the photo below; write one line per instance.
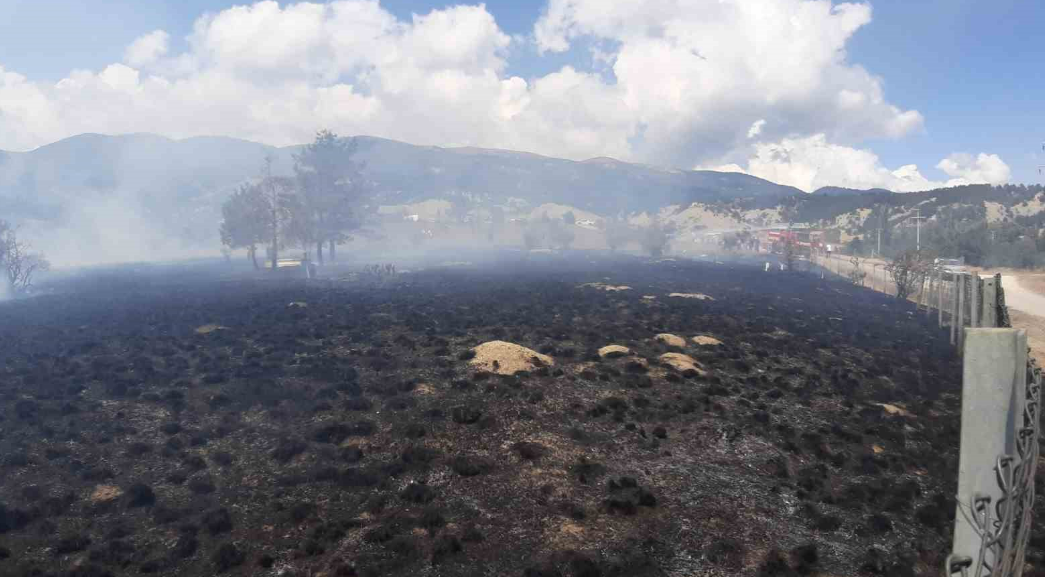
(974, 70)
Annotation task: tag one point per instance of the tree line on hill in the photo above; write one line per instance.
(954, 223)
(319, 207)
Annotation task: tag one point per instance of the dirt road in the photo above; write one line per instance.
(1022, 298)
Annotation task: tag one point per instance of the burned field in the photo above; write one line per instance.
(260, 428)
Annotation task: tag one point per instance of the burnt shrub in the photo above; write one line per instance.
(432, 518)
(530, 451)
(358, 404)
(202, 486)
(287, 449)
(805, 557)
(469, 466)
(140, 495)
(775, 564)
(217, 521)
(727, 552)
(465, 415)
(301, 511)
(351, 454)
(222, 458)
(227, 556)
(138, 449)
(414, 431)
(879, 524)
(185, 546)
(165, 515)
(357, 477)
(417, 493)
(114, 552)
(445, 546)
(71, 544)
(337, 432)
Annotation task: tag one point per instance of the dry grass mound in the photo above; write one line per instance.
(682, 363)
(613, 351)
(671, 340)
(704, 340)
(506, 358)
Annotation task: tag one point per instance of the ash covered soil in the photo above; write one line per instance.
(340, 428)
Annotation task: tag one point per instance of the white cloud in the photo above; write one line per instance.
(966, 169)
(756, 128)
(693, 82)
(147, 49)
(812, 162)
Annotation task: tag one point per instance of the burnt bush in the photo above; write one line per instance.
(217, 521)
(140, 495)
(418, 493)
(287, 449)
(71, 544)
(227, 556)
(470, 466)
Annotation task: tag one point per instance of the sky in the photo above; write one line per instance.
(889, 93)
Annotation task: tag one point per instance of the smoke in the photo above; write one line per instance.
(112, 229)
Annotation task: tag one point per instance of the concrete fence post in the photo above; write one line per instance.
(989, 306)
(961, 309)
(994, 392)
(974, 305)
(928, 300)
(939, 298)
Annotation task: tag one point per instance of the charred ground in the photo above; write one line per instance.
(274, 428)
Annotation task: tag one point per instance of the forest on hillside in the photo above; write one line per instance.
(949, 222)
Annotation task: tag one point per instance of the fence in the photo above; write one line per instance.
(1001, 421)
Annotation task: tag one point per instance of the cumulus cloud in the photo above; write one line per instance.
(812, 162)
(966, 169)
(147, 49)
(672, 82)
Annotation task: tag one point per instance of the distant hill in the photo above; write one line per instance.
(140, 196)
(165, 174)
(159, 188)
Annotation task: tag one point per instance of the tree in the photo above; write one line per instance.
(333, 194)
(533, 235)
(18, 264)
(280, 200)
(655, 238)
(617, 234)
(790, 252)
(561, 234)
(908, 271)
(244, 217)
(858, 274)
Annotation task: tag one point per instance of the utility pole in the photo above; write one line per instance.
(918, 230)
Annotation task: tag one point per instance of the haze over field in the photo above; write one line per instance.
(797, 94)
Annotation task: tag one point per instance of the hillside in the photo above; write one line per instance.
(92, 197)
(161, 195)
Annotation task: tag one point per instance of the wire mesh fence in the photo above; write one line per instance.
(1004, 526)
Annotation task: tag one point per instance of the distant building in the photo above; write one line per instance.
(412, 217)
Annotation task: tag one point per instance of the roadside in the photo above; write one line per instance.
(1024, 295)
